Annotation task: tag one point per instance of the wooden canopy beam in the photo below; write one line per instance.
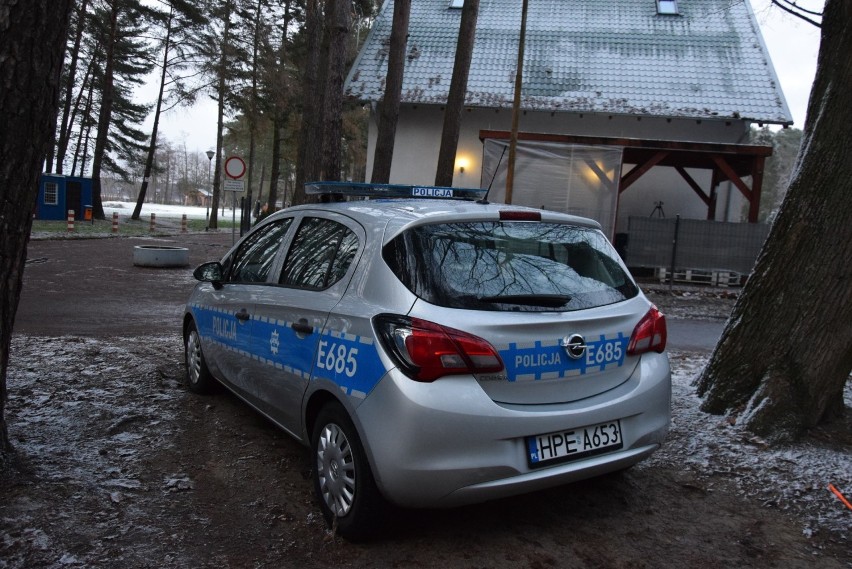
(628, 179)
(694, 185)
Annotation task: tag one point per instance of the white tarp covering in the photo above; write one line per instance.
(572, 178)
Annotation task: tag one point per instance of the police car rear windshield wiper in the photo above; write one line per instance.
(549, 300)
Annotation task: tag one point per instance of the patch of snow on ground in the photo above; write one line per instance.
(84, 411)
(793, 478)
(163, 210)
(87, 411)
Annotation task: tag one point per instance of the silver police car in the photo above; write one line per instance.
(433, 349)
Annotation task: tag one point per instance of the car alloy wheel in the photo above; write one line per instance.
(193, 357)
(198, 376)
(343, 481)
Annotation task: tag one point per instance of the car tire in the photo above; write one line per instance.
(198, 377)
(350, 501)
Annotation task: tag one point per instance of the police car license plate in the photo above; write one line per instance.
(574, 444)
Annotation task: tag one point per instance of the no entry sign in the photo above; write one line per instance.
(235, 168)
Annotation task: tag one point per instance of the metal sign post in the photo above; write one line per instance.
(234, 187)
(235, 168)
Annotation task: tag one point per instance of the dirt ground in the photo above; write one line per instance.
(119, 466)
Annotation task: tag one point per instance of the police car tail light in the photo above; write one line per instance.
(426, 351)
(649, 335)
(511, 215)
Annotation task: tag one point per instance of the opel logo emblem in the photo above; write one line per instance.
(574, 345)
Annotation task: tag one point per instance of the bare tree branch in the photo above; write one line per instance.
(799, 12)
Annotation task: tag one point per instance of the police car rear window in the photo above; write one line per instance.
(509, 266)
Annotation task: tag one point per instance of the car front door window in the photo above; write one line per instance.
(255, 256)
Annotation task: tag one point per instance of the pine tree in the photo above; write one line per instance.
(120, 28)
(181, 23)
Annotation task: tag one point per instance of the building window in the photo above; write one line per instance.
(456, 3)
(51, 193)
(667, 7)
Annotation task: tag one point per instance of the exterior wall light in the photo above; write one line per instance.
(462, 163)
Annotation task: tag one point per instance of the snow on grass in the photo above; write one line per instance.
(793, 478)
(165, 210)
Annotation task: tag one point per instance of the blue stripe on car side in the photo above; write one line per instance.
(350, 361)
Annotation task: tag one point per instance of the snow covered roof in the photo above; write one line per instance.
(595, 56)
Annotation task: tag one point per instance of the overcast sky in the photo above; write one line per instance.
(792, 43)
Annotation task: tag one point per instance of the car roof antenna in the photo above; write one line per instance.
(484, 199)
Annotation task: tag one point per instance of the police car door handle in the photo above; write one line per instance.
(302, 326)
(243, 315)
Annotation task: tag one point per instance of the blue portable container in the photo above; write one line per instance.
(57, 194)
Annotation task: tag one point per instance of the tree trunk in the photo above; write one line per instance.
(260, 186)
(152, 149)
(213, 222)
(275, 172)
(32, 39)
(455, 98)
(786, 352)
(516, 104)
(389, 113)
(333, 113)
(245, 225)
(104, 117)
(68, 126)
(279, 116)
(310, 141)
(85, 128)
(65, 129)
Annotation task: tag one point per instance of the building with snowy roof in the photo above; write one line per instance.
(625, 106)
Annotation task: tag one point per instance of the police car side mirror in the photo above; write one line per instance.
(211, 272)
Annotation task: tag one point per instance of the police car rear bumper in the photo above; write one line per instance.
(446, 443)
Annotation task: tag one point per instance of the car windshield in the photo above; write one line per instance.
(521, 266)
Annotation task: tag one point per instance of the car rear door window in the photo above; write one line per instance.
(320, 255)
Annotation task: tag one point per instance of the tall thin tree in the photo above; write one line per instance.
(389, 109)
(105, 114)
(126, 59)
(280, 85)
(221, 71)
(338, 32)
(70, 79)
(456, 96)
(310, 139)
(180, 23)
(152, 147)
(253, 109)
(516, 104)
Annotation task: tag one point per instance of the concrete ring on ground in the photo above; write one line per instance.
(160, 256)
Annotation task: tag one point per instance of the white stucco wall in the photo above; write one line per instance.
(419, 133)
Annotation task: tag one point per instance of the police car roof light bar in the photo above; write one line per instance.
(356, 189)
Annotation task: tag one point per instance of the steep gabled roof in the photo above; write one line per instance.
(595, 56)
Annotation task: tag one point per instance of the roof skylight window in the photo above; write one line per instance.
(456, 3)
(667, 7)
